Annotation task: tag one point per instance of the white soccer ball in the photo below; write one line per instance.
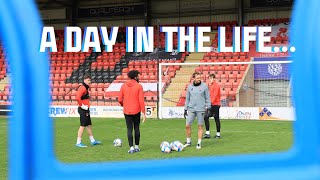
(178, 146)
(173, 145)
(117, 142)
(165, 147)
(164, 143)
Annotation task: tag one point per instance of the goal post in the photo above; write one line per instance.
(251, 84)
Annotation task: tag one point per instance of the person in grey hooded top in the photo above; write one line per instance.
(197, 105)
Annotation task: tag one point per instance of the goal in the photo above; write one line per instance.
(255, 83)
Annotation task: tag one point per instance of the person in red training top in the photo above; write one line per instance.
(84, 111)
(132, 99)
(214, 89)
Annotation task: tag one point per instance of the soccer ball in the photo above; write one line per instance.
(165, 147)
(117, 142)
(172, 145)
(164, 143)
(177, 146)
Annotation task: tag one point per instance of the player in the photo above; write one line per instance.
(197, 105)
(132, 99)
(214, 88)
(83, 109)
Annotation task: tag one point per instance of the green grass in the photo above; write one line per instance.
(238, 137)
(3, 148)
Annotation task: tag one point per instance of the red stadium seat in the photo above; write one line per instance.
(242, 68)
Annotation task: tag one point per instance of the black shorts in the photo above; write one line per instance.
(85, 119)
(214, 111)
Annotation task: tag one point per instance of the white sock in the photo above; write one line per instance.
(78, 140)
(207, 132)
(188, 140)
(218, 133)
(136, 147)
(199, 141)
(91, 139)
(131, 148)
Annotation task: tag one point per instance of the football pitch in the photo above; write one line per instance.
(237, 137)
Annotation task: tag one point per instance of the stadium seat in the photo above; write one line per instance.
(148, 98)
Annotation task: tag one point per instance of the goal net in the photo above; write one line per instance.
(259, 83)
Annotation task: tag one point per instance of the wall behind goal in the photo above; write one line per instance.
(272, 83)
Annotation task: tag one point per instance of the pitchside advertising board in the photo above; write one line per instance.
(96, 111)
(248, 113)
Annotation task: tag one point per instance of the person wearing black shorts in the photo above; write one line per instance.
(84, 112)
(85, 119)
(214, 89)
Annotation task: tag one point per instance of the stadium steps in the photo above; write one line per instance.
(177, 86)
(212, 36)
(194, 57)
(179, 82)
(4, 82)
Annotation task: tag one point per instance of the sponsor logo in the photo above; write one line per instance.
(173, 113)
(111, 10)
(243, 115)
(274, 69)
(93, 111)
(266, 114)
(112, 109)
(149, 111)
(62, 111)
(272, 54)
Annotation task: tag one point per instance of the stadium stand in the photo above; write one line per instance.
(68, 69)
(229, 76)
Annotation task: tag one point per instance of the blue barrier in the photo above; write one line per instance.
(31, 154)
